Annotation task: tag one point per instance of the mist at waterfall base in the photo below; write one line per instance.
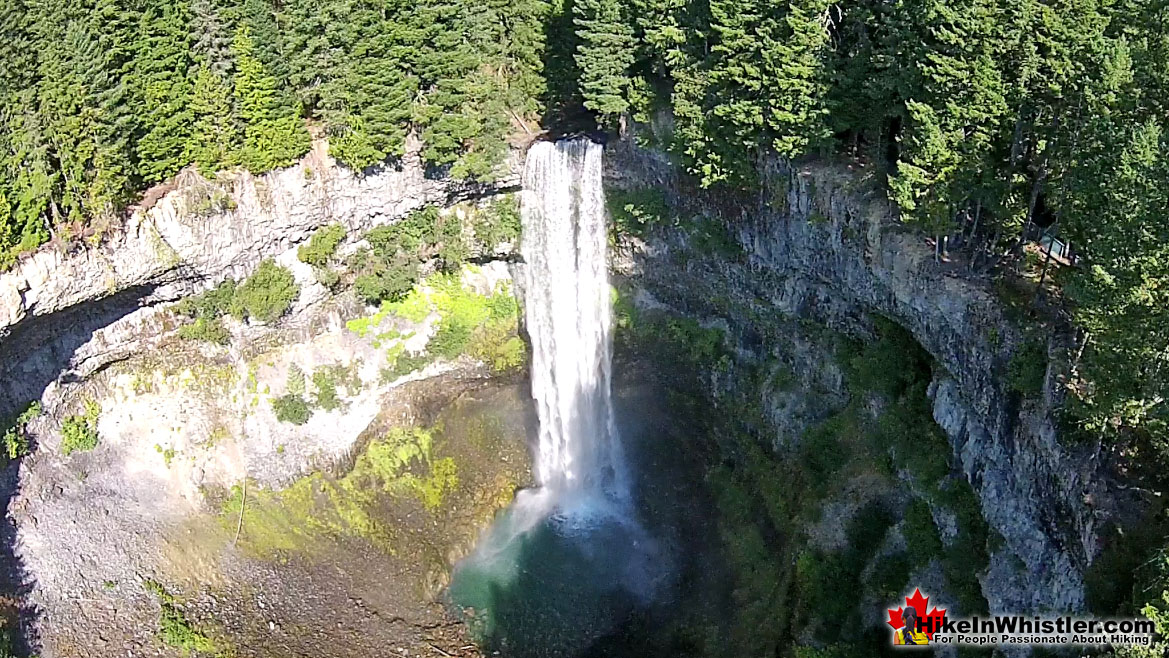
(569, 563)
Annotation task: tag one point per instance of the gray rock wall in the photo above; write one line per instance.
(52, 302)
(820, 243)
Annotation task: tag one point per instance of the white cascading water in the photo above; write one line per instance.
(584, 492)
(568, 309)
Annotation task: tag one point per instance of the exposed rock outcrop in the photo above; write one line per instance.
(192, 238)
(180, 422)
(822, 244)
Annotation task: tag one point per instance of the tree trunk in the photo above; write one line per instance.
(1079, 354)
(1042, 276)
(1017, 138)
(1035, 187)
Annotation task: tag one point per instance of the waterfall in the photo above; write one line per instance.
(561, 562)
(568, 309)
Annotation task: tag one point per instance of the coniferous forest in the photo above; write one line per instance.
(989, 120)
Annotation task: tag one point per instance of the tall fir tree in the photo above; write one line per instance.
(272, 136)
(216, 136)
(604, 56)
(161, 62)
(210, 38)
(375, 93)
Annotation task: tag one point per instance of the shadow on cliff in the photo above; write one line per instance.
(37, 352)
(40, 349)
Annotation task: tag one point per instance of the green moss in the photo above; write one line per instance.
(79, 432)
(174, 629)
(401, 464)
(828, 447)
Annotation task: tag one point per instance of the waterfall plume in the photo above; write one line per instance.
(568, 310)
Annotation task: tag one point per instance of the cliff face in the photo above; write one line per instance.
(181, 422)
(52, 303)
(820, 244)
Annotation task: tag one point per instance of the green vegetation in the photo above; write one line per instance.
(1028, 369)
(484, 327)
(1033, 115)
(294, 380)
(322, 245)
(297, 405)
(206, 330)
(174, 629)
(326, 391)
(403, 364)
(211, 304)
(498, 223)
(471, 323)
(168, 453)
(402, 464)
(267, 294)
(393, 263)
(291, 408)
(921, 536)
(767, 497)
(79, 432)
(637, 211)
(99, 101)
(16, 441)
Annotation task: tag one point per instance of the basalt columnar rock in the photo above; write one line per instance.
(181, 422)
(190, 238)
(822, 244)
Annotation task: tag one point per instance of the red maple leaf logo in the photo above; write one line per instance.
(932, 620)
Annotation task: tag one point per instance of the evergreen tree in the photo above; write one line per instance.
(319, 37)
(161, 64)
(954, 120)
(375, 94)
(210, 38)
(604, 56)
(216, 138)
(272, 138)
(797, 102)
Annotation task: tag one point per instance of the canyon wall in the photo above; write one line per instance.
(192, 237)
(821, 243)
